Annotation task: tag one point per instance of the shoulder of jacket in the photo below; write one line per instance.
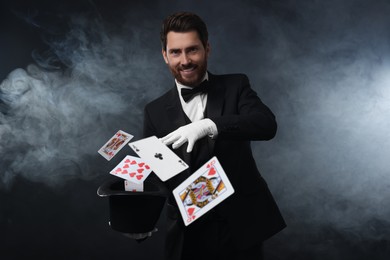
(231, 76)
(232, 80)
(160, 100)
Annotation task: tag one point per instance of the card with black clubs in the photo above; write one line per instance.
(162, 160)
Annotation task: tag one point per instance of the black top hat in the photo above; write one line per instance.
(134, 212)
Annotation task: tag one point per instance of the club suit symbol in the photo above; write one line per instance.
(182, 163)
(135, 148)
(159, 156)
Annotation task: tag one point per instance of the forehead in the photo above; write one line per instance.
(182, 40)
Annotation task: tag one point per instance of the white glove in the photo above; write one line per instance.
(190, 133)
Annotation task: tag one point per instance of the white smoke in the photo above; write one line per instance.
(55, 119)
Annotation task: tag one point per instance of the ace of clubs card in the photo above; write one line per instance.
(164, 162)
(202, 191)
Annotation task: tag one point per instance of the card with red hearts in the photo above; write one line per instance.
(133, 169)
(202, 191)
(133, 187)
(114, 144)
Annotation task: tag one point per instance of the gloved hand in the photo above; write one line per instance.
(189, 133)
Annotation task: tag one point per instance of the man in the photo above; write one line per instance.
(220, 121)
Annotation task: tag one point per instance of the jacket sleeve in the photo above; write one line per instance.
(244, 116)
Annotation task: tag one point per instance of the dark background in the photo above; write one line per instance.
(73, 73)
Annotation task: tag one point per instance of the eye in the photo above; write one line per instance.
(174, 52)
(193, 49)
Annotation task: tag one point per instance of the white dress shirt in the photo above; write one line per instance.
(196, 107)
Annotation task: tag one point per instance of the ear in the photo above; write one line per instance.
(208, 49)
(164, 54)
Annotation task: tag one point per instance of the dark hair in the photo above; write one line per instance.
(183, 22)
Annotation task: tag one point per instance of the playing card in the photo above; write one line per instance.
(164, 162)
(202, 191)
(134, 187)
(115, 144)
(133, 169)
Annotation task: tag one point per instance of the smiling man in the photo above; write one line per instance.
(186, 56)
(206, 115)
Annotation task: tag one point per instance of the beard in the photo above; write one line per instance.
(199, 72)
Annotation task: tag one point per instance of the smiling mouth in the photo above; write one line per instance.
(188, 70)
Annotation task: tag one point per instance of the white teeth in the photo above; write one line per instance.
(188, 70)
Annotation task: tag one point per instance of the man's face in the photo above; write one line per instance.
(186, 57)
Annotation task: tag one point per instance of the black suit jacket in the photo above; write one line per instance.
(240, 117)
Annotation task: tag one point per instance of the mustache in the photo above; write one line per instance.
(187, 66)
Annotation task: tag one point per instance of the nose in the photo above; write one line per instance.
(185, 59)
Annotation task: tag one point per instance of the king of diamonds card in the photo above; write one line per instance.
(202, 191)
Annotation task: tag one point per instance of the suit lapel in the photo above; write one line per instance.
(177, 118)
(174, 110)
(215, 101)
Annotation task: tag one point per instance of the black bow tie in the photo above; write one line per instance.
(189, 93)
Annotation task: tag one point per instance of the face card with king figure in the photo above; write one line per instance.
(164, 162)
(115, 144)
(202, 191)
